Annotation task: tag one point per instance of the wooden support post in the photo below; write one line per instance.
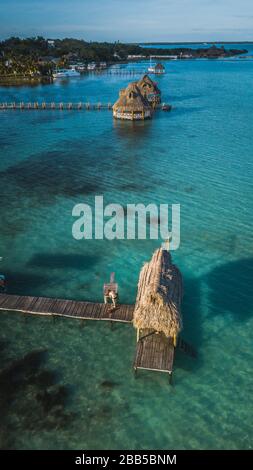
(138, 334)
(170, 379)
(25, 316)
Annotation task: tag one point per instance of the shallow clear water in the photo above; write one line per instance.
(83, 393)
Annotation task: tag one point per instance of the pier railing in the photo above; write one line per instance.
(53, 106)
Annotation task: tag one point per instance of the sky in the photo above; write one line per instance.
(129, 20)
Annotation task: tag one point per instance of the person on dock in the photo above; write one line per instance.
(111, 292)
(111, 296)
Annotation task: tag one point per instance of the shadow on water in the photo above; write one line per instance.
(3, 349)
(192, 331)
(11, 228)
(23, 283)
(61, 260)
(31, 398)
(50, 174)
(44, 176)
(230, 289)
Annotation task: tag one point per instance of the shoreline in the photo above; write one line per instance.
(16, 81)
(192, 42)
(30, 81)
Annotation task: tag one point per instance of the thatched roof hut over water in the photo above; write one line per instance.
(149, 89)
(132, 105)
(159, 68)
(158, 302)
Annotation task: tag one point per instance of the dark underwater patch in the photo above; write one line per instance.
(108, 384)
(10, 228)
(24, 283)
(134, 187)
(53, 397)
(4, 143)
(62, 260)
(57, 173)
(71, 170)
(31, 398)
(192, 330)
(230, 288)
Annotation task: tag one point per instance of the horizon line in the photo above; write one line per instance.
(130, 42)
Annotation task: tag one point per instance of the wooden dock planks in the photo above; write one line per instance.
(55, 106)
(66, 107)
(155, 352)
(66, 308)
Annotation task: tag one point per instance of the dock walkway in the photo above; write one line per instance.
(155, 352)
(66, 308)
(61, 106)
(53, 106)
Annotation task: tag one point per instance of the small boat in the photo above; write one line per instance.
(166, 107)
(66, 73)
(157, 69)
(81, 68)
(92, 66)
(151, 69)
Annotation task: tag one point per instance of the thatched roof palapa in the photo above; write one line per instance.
(158, 302)
(159, 66)
(147, 86)
(131, 100)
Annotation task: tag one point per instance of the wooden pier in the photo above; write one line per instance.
(43, 106)
(154, 352)
(156, 314)
(66, 308)
(66, 106)
(115, 71)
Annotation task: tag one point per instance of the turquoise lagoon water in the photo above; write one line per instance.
(64, 386)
